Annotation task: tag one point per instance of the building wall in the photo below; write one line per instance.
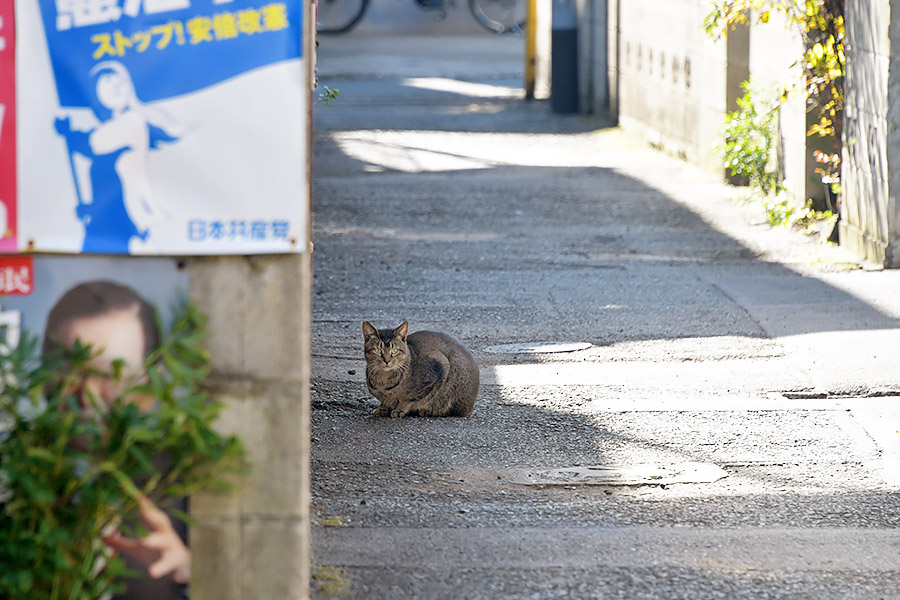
(672, 77)
(869, 213)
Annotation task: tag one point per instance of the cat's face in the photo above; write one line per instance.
(386, 349)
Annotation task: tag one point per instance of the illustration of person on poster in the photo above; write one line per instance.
(123, 209)
(163, 127)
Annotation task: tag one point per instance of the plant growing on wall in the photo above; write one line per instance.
(750, 136)
(820, 24)
(67, 474)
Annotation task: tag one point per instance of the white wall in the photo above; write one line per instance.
(672, 77)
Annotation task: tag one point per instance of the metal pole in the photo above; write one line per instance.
(531, 29)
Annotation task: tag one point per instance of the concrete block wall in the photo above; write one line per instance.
(670, 81)
(672, 78)
(255, 542)
(773, 55)
(870, 217)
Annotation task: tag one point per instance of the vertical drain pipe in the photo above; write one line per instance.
(564, 58)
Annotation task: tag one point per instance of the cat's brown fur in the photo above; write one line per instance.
(424, 373)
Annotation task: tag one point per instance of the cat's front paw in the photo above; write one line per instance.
(399, 413)
(382, 411)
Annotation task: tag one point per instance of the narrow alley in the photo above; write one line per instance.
(735, 386)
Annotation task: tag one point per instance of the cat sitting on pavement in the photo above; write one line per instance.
(424, 373)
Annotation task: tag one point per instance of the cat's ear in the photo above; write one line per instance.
(401, 331)
(369, 330)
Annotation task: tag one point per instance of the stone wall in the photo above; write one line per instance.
(869, 212)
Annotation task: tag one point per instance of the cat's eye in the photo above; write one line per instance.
(395, 351)
(374, 350)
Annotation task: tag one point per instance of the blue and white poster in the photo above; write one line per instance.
(175, 127)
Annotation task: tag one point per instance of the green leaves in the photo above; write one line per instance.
(750, 134)
(820, 24)
(328, 96)
(70, 473)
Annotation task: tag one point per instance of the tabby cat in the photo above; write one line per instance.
(425, 373)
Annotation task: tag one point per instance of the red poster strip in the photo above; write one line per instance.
(8, 223)
(16, 275)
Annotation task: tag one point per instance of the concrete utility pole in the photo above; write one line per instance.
(255, 543)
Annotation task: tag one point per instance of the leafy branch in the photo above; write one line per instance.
(820, 25)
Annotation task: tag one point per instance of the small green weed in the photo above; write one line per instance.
(328, 95)
(331, 581)
(782, 212)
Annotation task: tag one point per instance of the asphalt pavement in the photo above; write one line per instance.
(729, 427)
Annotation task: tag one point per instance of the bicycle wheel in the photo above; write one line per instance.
(500, 16)
(339, 16)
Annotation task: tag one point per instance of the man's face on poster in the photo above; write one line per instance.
(114, 335)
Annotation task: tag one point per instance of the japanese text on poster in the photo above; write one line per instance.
(177, 127)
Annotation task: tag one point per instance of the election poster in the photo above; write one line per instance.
(33, 285)
(162, 127)
(112, 304)
(7, 127)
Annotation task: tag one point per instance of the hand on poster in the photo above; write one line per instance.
(162, 550)
(63, 126)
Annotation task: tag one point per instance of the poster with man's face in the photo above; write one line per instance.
(110, 304)
(158, 281)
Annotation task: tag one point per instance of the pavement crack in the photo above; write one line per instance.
(735, 302)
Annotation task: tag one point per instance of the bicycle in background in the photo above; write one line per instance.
(498, 16)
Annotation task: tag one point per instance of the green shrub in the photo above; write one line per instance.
(67, 475)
